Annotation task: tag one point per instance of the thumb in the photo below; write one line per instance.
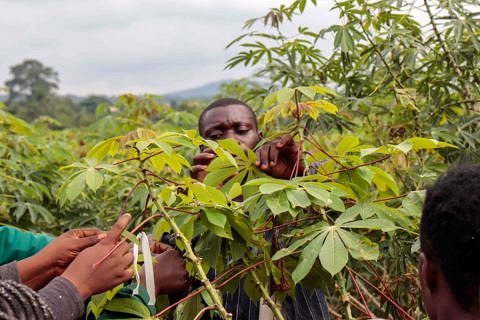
(117, 229)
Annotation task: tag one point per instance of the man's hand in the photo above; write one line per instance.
(37, 270)
(169, 273)
(113, 270)
(277, 158)
(200, 164)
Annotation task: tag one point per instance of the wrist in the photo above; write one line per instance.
(82, 287)
(35, 271)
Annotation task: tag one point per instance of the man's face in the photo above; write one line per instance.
(233, 121)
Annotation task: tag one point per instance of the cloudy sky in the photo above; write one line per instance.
(138, 46)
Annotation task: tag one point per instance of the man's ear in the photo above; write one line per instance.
(260, 135)
(428, 275)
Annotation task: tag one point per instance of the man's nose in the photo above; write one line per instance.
(230, 134)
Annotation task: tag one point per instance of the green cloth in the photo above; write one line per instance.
(17, 245)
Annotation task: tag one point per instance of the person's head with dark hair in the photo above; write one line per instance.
(450, 246)
(229, 118)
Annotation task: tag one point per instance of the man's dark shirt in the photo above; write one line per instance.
(307, 305)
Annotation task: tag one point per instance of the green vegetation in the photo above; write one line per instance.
(391, 108)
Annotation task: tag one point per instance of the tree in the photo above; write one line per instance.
(30, 85)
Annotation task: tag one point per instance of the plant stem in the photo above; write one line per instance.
(345, 297)
(197, 262)
(266, 295)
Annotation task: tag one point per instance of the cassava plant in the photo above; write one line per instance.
(323, 228)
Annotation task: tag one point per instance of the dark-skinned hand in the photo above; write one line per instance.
(200, 164)
(277, 158)
(168, 270)
(115, 269)
(36, 271)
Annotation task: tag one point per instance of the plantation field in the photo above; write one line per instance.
(379, 119)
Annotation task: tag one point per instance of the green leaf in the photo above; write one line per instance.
(307, 258)
(278, 203)
(215, 217)
(269, 99)
(284, 95)
(315, 190)
(412, 204)
(298, 198)
(333, 254)
(233, 147)
(372, 224)
(235, 191)
(307, 91)
(295, 245)
(347, 144)
(76, 186)
(359, 247)
(209, 247)
(218, 176)
(94, 179)
(384, 180)
(269, 188)
(101, 149)
(366, 210)
(129, 306)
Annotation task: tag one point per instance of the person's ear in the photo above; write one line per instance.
(260, 135)
(428, 275)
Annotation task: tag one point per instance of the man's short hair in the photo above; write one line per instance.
(450, 232)
(224, 103)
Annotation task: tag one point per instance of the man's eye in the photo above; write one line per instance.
(242, 130)
(215, 136)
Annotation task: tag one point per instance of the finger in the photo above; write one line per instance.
(273, 157)
(86, 242)
(286, 140)
(125, 275)
(81, 233)
(123, 249)
(204, 158)
(198, 168)
(128, 260)
(159, 247)
(117, 229)
(264, 154)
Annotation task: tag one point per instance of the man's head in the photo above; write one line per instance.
(229, 118)
(450, 244)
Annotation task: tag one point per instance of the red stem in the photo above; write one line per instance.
(200, 290)
(129, 195)
(198, 316)
(367, 310)
(393, 302)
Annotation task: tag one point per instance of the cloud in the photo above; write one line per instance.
(115, 46)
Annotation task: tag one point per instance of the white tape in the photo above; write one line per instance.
(135, 269)
(148, 266)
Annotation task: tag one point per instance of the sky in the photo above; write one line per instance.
(136, 46)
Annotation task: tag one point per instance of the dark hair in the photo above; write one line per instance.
(450, 232)
(225, 102)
